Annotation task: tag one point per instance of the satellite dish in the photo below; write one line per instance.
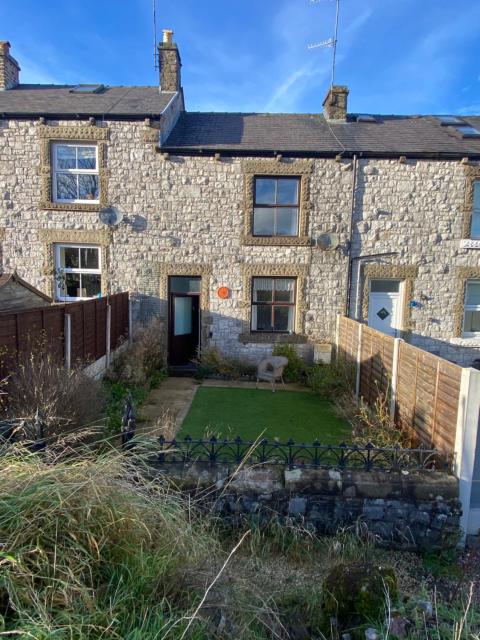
(328, 241)
(111, 216)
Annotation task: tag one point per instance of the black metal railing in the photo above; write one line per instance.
(292, 454)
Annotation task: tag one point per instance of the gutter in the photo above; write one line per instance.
(269, 153)
(350, 233)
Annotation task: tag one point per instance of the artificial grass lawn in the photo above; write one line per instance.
(228, 413)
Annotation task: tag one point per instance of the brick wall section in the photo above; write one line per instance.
(418, 510)
(185, 210)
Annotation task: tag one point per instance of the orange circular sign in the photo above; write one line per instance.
(223, 292)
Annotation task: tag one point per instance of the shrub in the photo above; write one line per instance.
(212, 362)
(146, 355)
(67, 399)
(296, 369)
(330, 380)
(372, 424)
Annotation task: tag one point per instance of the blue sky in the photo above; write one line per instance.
(396, 56)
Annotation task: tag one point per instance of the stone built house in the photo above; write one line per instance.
(243, 230)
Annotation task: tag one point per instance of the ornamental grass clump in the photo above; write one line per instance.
(90, 549)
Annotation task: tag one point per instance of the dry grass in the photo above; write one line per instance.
(66, 399)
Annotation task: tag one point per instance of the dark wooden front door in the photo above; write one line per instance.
(184, 322)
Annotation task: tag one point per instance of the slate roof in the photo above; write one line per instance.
(57, 100)
(312, 134)
(248, 133)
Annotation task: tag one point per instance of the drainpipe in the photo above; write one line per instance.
(361, 260)
(350, 233)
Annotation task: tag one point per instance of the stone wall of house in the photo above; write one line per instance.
(189, 211)
(417, 209)
(416, 510)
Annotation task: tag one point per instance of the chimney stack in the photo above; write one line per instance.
(169, 63)
(9, 68)
(335, 103)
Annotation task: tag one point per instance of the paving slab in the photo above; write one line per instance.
(166, 407)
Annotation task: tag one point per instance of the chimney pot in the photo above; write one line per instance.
(167, 36)
(169, 63)
(9, 67)
(335, 103)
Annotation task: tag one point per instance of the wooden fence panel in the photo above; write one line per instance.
(376, 364)
(20, 332)
(348, 340)
(119, 326)
(427, 388)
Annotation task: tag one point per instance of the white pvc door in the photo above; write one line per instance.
(384, 305)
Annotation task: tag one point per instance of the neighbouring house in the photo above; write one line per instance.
(243, 230)
(17, 295)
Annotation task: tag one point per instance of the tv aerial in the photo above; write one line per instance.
(330, 43)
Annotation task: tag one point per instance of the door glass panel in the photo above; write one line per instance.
(182, 316)
(385, 286)
(184, 284)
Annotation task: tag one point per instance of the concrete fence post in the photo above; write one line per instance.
(337, 338)
(359, 361)
(67, 331)
(466, 439)
(108, 334)
(393, 390)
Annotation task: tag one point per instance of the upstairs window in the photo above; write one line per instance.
(276, 206)
(471, 317)
(75, 173)
(273, 304)
(475, 229)
(78, 272)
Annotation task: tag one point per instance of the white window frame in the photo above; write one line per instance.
(469, 307)
(75, 172)
(59, 269)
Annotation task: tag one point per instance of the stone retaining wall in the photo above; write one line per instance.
(409, 510)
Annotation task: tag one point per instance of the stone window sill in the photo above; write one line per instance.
(277, 338)
(263, 241)
(70, 206)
